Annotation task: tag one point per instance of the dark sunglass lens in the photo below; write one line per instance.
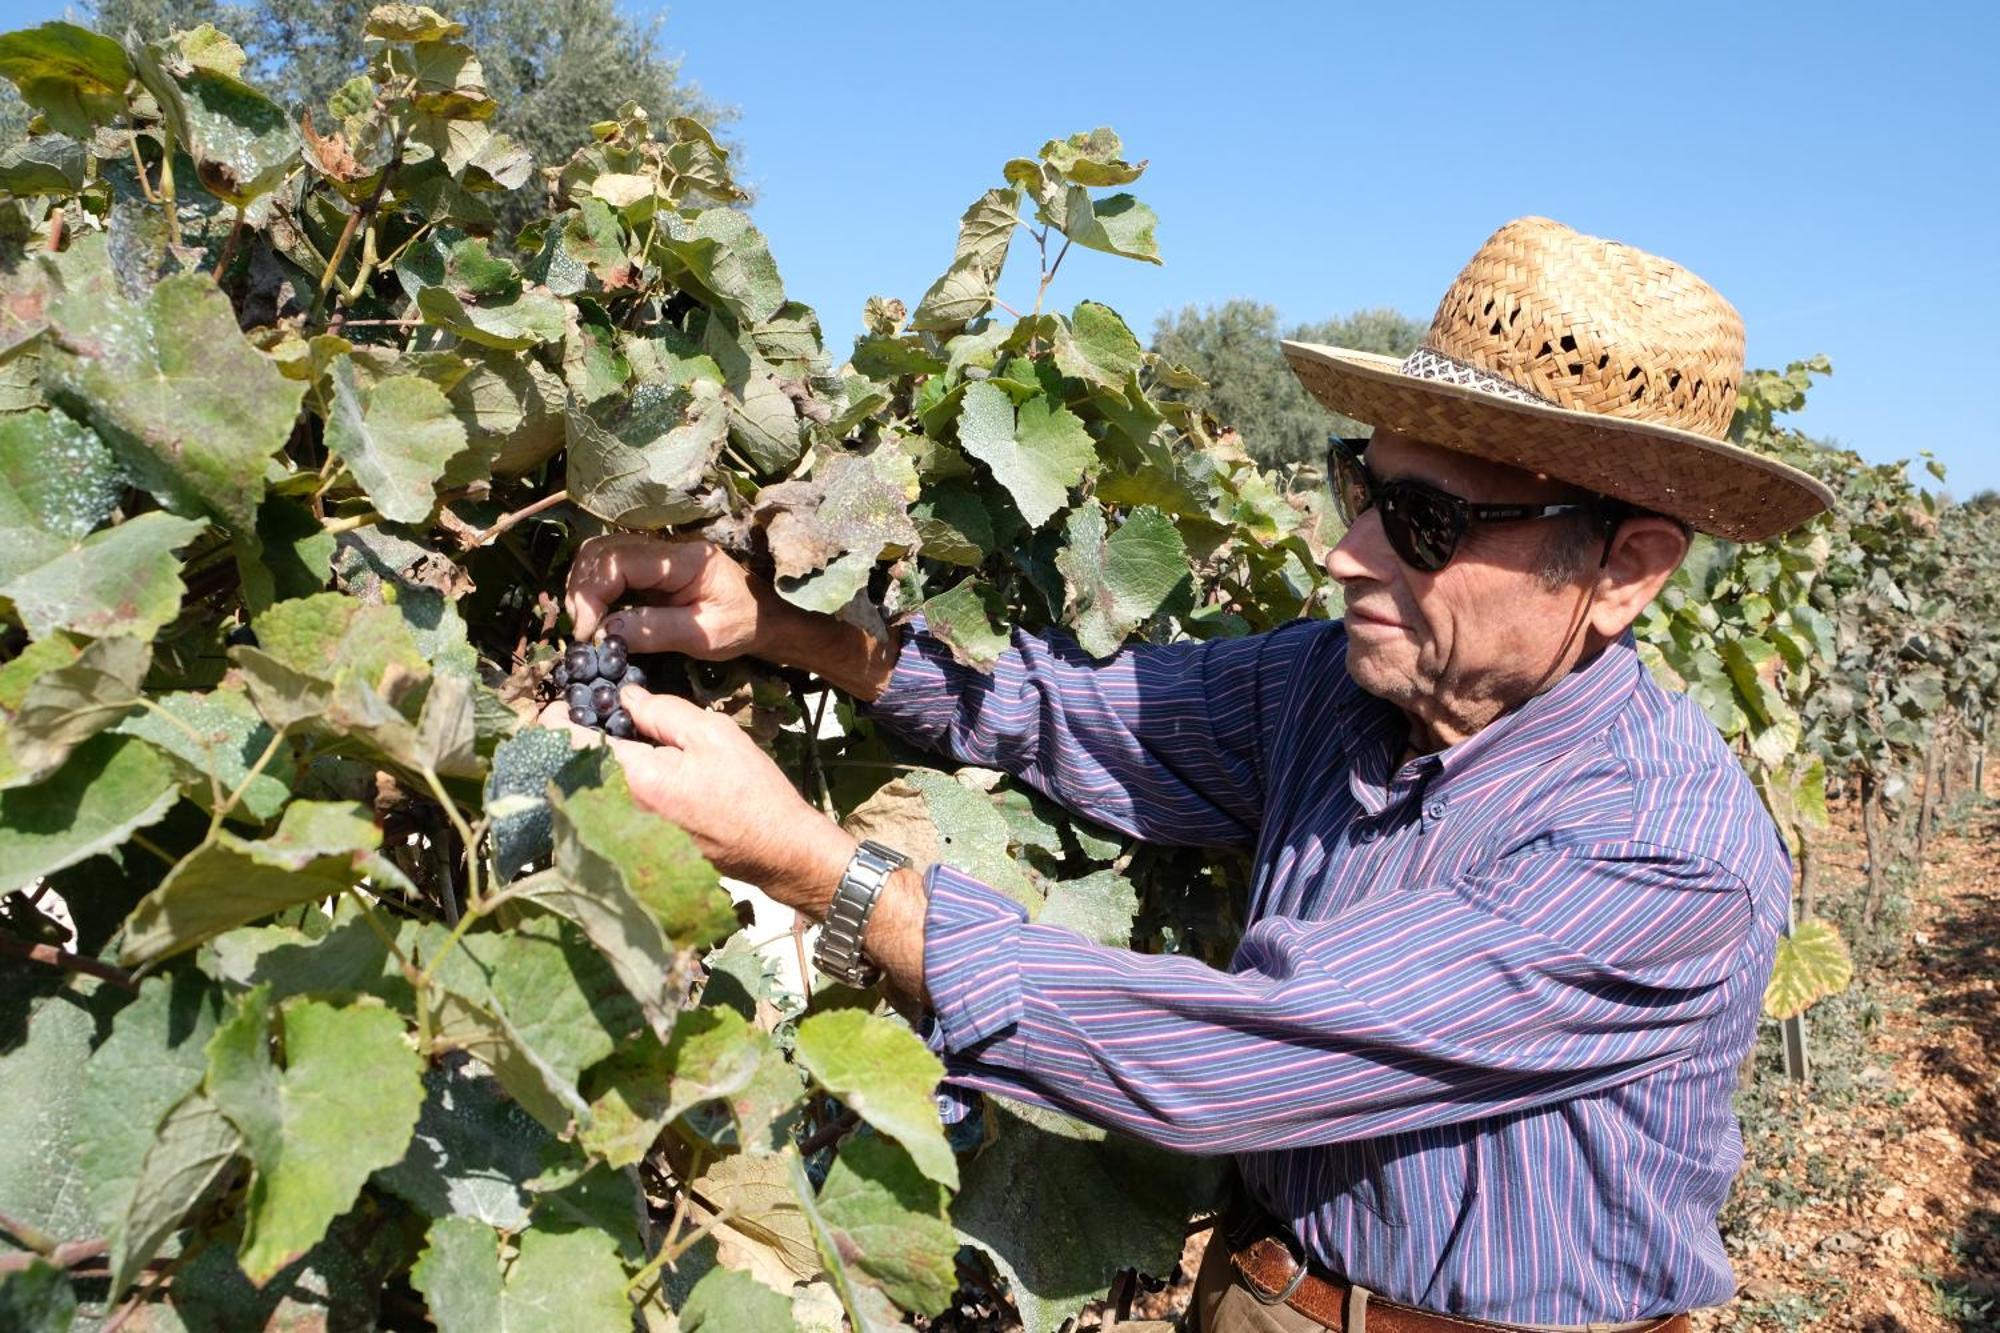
(1422, 528)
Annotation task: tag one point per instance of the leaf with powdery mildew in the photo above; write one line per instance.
(883, 1072)
(559, 1282)
(213, 740)
(68, 704)
(72, 75)
(889, 1222)
(194, 1146)
(342, 1107)
(970, 619)
(193, 411)
(1116, 582)
(122, 580)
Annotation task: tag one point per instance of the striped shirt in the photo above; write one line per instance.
(1478, 1043)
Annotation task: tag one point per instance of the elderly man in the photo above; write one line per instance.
(1513, 905)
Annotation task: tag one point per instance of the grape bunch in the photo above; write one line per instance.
(590, 676)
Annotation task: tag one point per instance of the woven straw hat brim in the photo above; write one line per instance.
(1714, 487)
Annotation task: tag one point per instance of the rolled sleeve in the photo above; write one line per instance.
(972, 967)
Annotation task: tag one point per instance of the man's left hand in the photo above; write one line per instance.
(701, 771)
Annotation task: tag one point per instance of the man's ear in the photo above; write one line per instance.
(1645, 552)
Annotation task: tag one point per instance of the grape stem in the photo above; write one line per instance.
(52, 956)
(521, 515)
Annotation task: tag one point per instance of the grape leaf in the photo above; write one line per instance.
(1098, 347)
(1812, 963)
(889, 1221)
(721, 254)
(217, 735)
(970, 619)
(473, 1153)
(66, 705)
(965, 290)
(397, 438)
(72, 75)
(320, 849)
(559, 1281)
(1062, 1207)
(726, 1301)
(154, 1057)
(342, 1107)
(63, 477)
(241, 141)
(517, 786)
(195, 1144)
(1114, 583)
(1099, 906)
(111, 786)
(882, 1071)
(1117, 224)
(123, 580)
(37, 1299)
(193, 412)
(1036, 458)
(712, 1053)
(643, 460)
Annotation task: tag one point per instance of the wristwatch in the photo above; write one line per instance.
(838, 953)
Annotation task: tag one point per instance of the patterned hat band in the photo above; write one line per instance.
(1428, 364)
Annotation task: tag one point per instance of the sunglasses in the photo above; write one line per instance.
(1424, 525)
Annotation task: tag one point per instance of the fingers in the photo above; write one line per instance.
(656, 629)
(555, 716)
(665, 719)
(606, 568)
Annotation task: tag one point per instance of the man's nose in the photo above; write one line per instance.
(1362, 553)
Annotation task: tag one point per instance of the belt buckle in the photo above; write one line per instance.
(1296, 1252)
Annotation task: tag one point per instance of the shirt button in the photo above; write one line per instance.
(1367, 833)
(1435, 810)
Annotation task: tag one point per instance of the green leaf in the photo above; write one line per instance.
(72, 75)
(217, 736)
(473, 1153)
(37, 1299)
(1812, 963)
(410, 23)
(764, 421)
(726, 1301)
(153, 1059)
(512, 410)
(123, 580)
(603, 839)
(320, 849)
(194, 1146)
(882, 1071)
(889, 1222)
(342, 1107)
(1098, 347)
(1114, 583)
(111, 786)
(1100, 906)
(396, 438)
(242, 143)
(720, 253)
(558, 1281)
(965, 291)
(68, 704)
(953, 525)
(971, 619)
(63, 476)
(1062, 1207)
(517, 793)
(712, 1054)
(192, 410)
(644, 460)
(1036, 458)
(1117, 224)
(868, 1311)
(1091, 159)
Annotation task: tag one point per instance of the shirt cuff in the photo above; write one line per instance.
(972, 963)
(919, 702)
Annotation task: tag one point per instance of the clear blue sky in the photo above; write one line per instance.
(1831, 169)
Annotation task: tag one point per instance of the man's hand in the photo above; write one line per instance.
(703, 773)
(693, 599)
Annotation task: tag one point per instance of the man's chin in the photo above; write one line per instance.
(1380, 677)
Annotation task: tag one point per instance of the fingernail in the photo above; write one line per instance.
(615, 625)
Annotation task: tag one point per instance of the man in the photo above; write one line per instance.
(1513, 905)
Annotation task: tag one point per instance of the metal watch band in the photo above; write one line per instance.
(838, 953)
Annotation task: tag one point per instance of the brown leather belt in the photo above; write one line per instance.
(1277, 1276)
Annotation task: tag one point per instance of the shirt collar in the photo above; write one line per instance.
(1579, 705)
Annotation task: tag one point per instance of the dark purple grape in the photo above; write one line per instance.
(604, 696)
(583, 717)
(579, 696)
(560, 677)
(619, 724)
(633, 676)
(616, 641)
(611, 658)
(581, 660)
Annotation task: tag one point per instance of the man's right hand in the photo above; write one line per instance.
(682, 597)
(688, 597)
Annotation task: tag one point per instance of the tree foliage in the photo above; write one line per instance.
(1233, 347)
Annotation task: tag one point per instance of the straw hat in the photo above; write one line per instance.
(1590, 362)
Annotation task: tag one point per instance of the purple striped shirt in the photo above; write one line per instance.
(1479, 1041)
